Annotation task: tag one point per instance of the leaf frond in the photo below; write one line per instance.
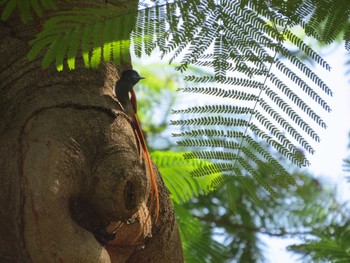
(27, 8)
(175, 168)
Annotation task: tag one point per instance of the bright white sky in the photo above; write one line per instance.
(330, 153)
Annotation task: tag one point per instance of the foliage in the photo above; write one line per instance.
(88, 30)
(294, 213)
(156, 95)
(300, 211)
(26, 7)
(197, 241)
(247, 43)
(175, 170)
(329, 19)
(332, 244)
(245, 37)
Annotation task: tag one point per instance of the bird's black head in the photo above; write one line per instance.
(131, 76)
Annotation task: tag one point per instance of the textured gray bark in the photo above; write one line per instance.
(70, 166)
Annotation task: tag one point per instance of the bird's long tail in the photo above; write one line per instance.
(139, 133)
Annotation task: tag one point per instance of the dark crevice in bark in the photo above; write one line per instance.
(98, 229)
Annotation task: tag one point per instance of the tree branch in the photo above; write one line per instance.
(224, 222)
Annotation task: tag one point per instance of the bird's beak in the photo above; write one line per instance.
(141, 77)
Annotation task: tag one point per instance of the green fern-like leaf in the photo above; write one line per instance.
(175, 170)
(294, 98)
(102, 33)
(226, 109)
(197, 242)
(26, 7)
(306, 49)
(332, 245)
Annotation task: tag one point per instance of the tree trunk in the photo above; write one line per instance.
(74, 185)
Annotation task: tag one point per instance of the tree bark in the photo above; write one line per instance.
(74, 185)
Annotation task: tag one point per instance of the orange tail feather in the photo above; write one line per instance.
(140, 136)
(148, 159)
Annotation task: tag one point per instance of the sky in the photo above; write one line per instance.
(330, 152)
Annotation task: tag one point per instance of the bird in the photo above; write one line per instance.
(125, 93)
